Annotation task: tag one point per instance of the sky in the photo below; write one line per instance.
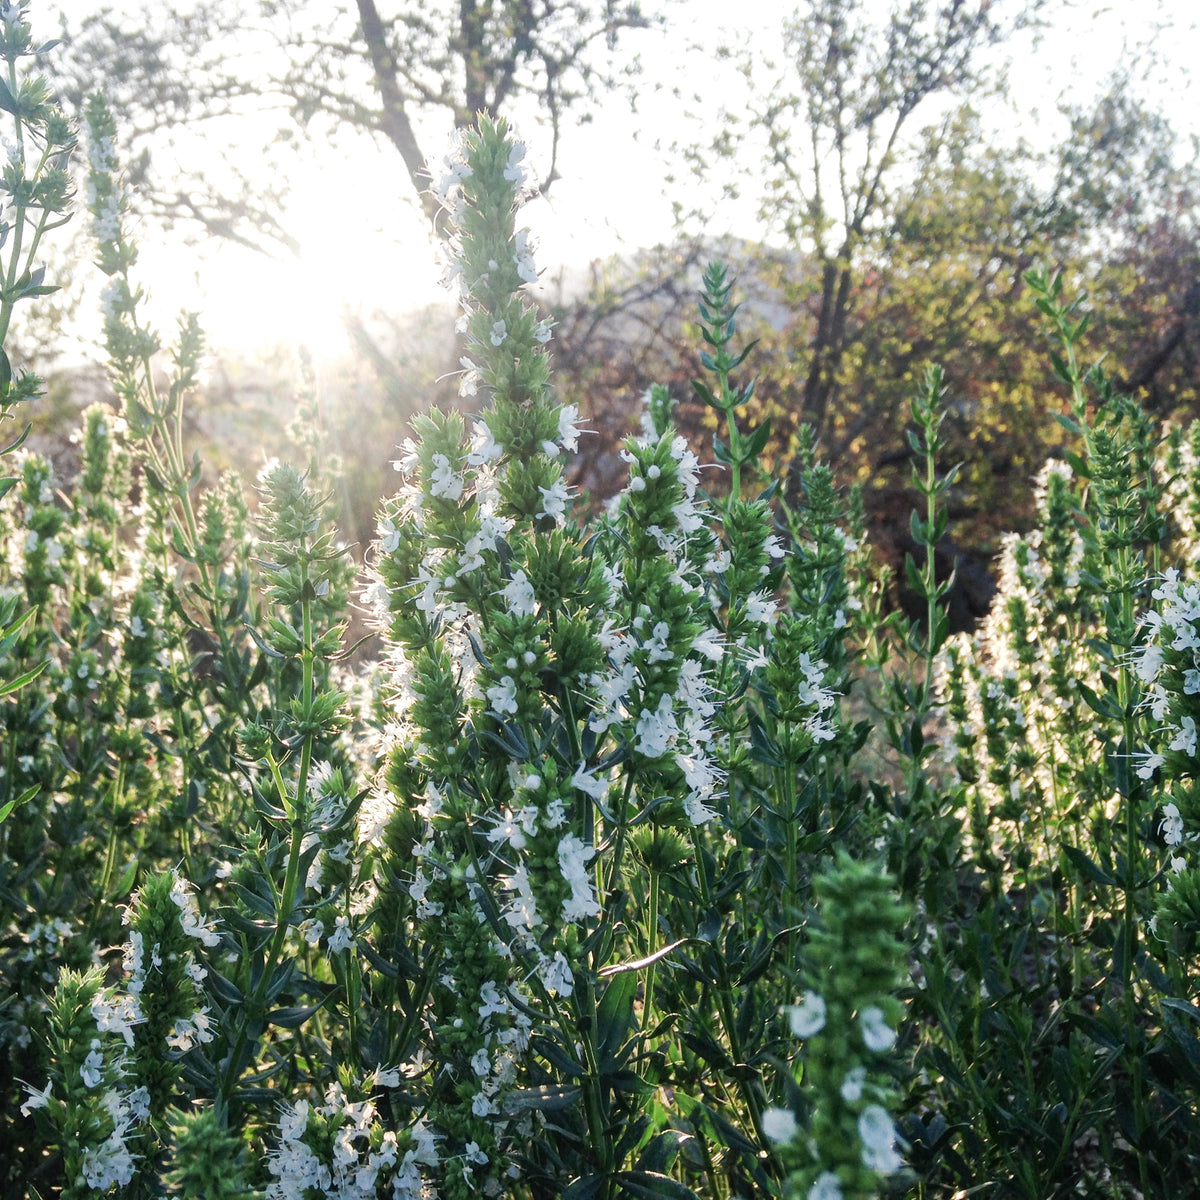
(365, 251)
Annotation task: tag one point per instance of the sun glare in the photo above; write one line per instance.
(252, 302)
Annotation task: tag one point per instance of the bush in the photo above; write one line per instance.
(588, 888)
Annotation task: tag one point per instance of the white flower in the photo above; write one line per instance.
(109, 1163)
(110, 296)
(503, 696)
(877, 1034)
(1185, 739)
(779, 1125)
(568, 433)
(341, 939)
(518, 595)
(92, 1071)
(189, 913)
(573, 857)
(589, 784)
(410, 461)
(656, 730)
(1146, 664)
(493, 1002)
(656, 645)
(444, 481)
(188, 1033)
(1171, 825)
(481, 1063)
(852, 1085)
(498, 334)
(879, 1139)
(483, 446)
(514, 169)
(139, 1104)
(117, 1012)
(556, 975)
(468, 385)
(1150, 763)
(697, 811)
(521, 912)
(36, 1099)
(389, 537)
(760, 607)
(709, 644)
(825, 1187)
(507, 830)
(523, 258)
(542, 332)
(808, 1017)
(554, 501)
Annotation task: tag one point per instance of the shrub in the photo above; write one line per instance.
(587, 887)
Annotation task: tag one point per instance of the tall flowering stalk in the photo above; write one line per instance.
(842, 1143)
(37, 195)
(35, 183)
(552, 734)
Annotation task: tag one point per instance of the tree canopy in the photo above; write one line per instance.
(402, 74)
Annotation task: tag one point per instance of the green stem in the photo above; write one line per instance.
(651, 943)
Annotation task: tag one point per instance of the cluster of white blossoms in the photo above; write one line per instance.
(110, 1160)
(876, 1130)
(815, 692)
(449, 566)
(362, 1156)
(1013, 688)
(676, 724)
(1167, 662)
(447, 174)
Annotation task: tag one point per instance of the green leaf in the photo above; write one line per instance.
(653, 1186)
(615, 1015)
(13, 685)
(124, 885)
(763, 748)
(550, 1098)
(585, 1188)
(17, 442)
(756, 441)
(1061, 369)
(641, 963)
(1089, 868)
(269, 651)
(293, 1017)
(918, 529)
(1183, 1006)
(1104, 705)
(738, 359)
(8, 101)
